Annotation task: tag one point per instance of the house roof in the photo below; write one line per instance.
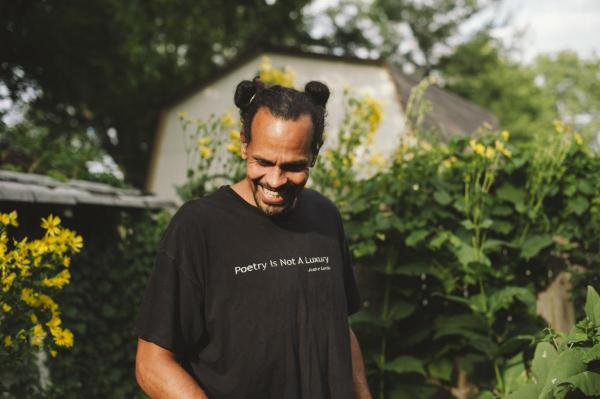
(450, 113)
(29, 187)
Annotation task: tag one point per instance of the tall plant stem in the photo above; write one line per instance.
(384, 317)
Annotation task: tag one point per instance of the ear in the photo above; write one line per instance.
(243, 146)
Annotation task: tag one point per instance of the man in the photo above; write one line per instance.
(253, 284)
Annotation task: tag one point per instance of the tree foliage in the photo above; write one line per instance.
(105, 64)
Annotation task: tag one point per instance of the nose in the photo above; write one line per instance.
(276, 177)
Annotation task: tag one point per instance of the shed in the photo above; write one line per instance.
(450, 113)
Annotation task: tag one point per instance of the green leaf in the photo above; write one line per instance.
(587, 382)
(416, 237)
(592, 306)
(544, 357)
(585, 187)
(401, 310)
(592, 354)
(514, 374)
(442, 197)
(510, 193)
(501, 210)
(502, 227)
(529, 391)
(534, 244)
(505, 297)
(405, 365)
(438, 240)
(567, 364)
(441, 369)
(577, 205)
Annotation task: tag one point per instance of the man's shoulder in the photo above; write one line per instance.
(202, 208)
(316, 200)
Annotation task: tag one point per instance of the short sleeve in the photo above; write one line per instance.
(171, 314)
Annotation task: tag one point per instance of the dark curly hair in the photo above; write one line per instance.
(284, 103)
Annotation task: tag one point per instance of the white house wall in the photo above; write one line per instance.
(170, 160)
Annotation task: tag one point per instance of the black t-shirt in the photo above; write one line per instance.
(255, 306)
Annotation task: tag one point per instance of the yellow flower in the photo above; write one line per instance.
(477, 148)
(204, 141)
(204, 151)
(33, 318)
(183, 115)
(30, 297)
(58, 281)
(559, 126)
(425, 146)
(505, 135)
(234, 135)
(234, 148)
(53, 353)
(227, 120)
(7, 281)
(66, 261)
(269, 74)
(75, 242)
(8, 341)
(490, 152)
(578, 138)
(377, 159)
(51, 225)
(37, 335)
(54, 323)
(6, 307)
(63, 337)
(9, 219)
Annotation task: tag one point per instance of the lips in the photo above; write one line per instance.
(271, 197)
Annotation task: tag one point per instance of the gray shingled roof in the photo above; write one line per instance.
(450, 114)
(29, 187)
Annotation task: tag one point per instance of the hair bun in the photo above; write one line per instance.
(244, 92)
(318, 92)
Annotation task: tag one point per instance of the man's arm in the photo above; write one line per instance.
(161, 377)
(361, 388)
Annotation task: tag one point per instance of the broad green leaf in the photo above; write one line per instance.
(587, 382)
(442, 197)
(486, 224)
(505, 297)
(441, 369)
(404, 365)
(508, 192)
(592, 354)
(514, 374)
(592, 306)
(584, 187)
(567, 364)
(416, 237)
(411, 269)
(529, 391)
(492, 245)
(438, 240)
(534, 244)
(501, 210)
(401, 310)
(502, 227)
(467, 224)
(577, 205)
(543, 359)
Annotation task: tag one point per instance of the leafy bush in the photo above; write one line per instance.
(32, 274)
(567, 366)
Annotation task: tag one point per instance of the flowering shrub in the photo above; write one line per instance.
(32, 270)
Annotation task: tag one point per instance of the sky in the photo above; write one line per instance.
(548, 26)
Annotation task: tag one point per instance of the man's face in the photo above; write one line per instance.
(277, 160)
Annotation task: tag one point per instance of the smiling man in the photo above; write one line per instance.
(253, 284)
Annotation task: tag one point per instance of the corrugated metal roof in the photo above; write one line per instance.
(30, 187)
